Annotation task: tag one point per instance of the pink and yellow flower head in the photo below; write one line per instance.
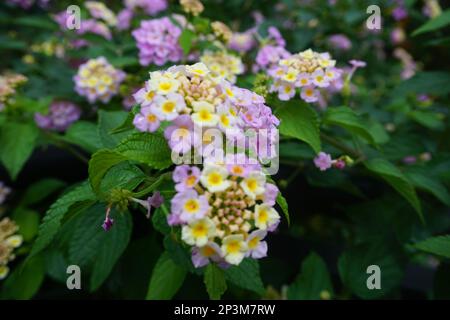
(97, 80)
(193, 100)
(307, 70)
(224, 215)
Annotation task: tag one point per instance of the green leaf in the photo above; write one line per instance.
(313, 283)
(428, 119)
(434, 83)
(53, 217)
(127, 124)
(28, 222)
(215, 282)
(107, 121)
(246, 275)
(300, 121)
(123, 176)
(179, 254)
(349, 120)
(281, 201)
(17, 141)
(111, 248)
(434, 24)
(353, 264)
(124, 61)
(150, 149)
(41, 190)
(186, 40)
(25, 281)
(430, 185)
(437, 245)
(36, 21)
(392, 175)
(167, 278)
(85, 135)
(100, 163)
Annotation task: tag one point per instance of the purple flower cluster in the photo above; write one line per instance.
(61, 115)
(157, 41)
(98, 80)
(242, 42)
(340, 42)
(272, 52)
(399, 12)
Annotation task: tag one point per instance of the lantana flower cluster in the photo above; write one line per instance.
(191, 98)
(223, 65)
(60, 116)
(97, 79)
(157, 41)
(9, 241)
(309, 71)
(225, 210)
(8, 85)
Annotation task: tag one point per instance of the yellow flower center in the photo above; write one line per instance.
(150, 95)
(191, 206)
(190, 181)
(233, 247)
(252, 184)
(207, 251)
(165, 86)
(205, 115)
(214, 179)
(253, 243)
(151, 118)
(199, 230)
(237, 170)
(263, 216)
(168, 106)
(224, 120)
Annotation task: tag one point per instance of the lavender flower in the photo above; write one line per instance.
(61, 115)
(340, 42)
(323, 161)
(98, 80)
(157, 41)
(242, 42)
(270, 55)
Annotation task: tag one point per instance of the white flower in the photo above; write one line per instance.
(163, 83)
(204, 114)
(198, 232)
(265, 216)
(14, 241)
(234, 248)
(168, 108)
(198, 69)
(254, 184)
(214, 178)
